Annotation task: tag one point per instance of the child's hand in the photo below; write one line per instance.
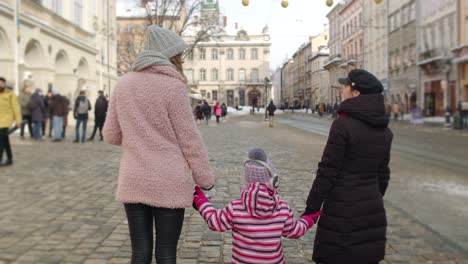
(311, 219)
(209, 192)
(199, 198)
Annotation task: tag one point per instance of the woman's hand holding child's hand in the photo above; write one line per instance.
(199, 198)
(311, 219)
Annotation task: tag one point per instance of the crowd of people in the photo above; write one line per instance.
(203, 111)
(41, 113)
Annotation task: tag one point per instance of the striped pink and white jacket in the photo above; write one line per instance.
(258, 220)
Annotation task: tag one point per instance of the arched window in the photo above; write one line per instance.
(202, 75)
(242, 54)
(254, 75)
(230, 75)
(214, 74)
(242, 75)
(230, 54)
(214, 54)
(202, 54)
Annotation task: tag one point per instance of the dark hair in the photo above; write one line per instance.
(3, 79)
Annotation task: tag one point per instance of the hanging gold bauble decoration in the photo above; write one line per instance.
(284, 3)
(329, 2)
(245, 2)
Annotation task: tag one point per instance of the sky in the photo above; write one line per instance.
(289, 27)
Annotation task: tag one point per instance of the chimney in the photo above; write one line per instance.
(225, 21)
(196, 21)
(237, 26)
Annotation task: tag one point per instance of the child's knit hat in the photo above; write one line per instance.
(255, 172)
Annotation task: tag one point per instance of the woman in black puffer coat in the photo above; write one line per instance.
(352, 177)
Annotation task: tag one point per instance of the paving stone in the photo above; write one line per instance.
(69, 214)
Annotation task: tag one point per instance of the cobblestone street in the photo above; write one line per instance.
(57, 202)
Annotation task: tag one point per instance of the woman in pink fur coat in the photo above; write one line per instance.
(162, 151)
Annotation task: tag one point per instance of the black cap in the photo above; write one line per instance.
(363, 81)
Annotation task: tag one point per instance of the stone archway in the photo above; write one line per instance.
(32, 71)
(64, 79)
(254, 97)
(82, 71)
(6, 59)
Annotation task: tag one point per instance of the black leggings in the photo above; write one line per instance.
(168, 224)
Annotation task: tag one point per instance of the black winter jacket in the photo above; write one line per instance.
(351, 180)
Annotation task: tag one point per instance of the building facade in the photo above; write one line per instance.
(403, 87)
(352, 34)
(231, 68)
(376, 41)
(321, 92)
(333, 62)
(461, 53)
(437, 37)
(63, 44)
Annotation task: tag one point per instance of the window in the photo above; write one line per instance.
(203, 93)
(254, 75)
(241, 75)
(343, 33)
(254, 55)
(57, 6)
(230, 75)
(190, 55)
(214, 54)
(397, 20)
(230, 54)
(189, 75)
(214, 74)
(215, 95)
(202, 75)
(413, 11)
(78, 11)
(208, 95)
(241, 54)
(202, 54)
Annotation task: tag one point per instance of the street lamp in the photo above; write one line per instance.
(267, 82)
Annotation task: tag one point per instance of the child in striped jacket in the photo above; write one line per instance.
(259, 218)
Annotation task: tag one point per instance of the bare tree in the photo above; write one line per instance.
(182, 16)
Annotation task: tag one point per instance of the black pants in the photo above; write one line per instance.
(26, 121)
(97, 125)
(168, 224)
(5, 144)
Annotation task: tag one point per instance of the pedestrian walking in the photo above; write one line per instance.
(217, 111)
(224, 110)
(47, 119)
(198, 112)
(9, 112)
(100, 112)
(396, 111)
(206, 112)
(352, 177)
(259, 218)
(161, 145)
(38, 113)
(321, 109)
(80, 112)
(271, 113)
(58, 108)
(25, 101)
(336, 106)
